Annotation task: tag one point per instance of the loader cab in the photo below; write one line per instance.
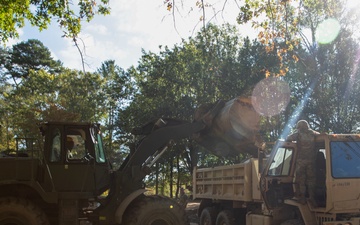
(75, 158)
(337, 173)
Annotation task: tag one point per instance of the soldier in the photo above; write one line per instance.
(69, 147)
(183, 198)
(305, 164)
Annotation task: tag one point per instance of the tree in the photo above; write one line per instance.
(325, 93)
(117, 90)
(81, 94)
(17, 62)
(69, 96)
(24, 106)
(68, 16)
(214, 65)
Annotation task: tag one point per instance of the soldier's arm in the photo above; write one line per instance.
(292, 137)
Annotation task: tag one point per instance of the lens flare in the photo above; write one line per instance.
(299, 108)
(271, 96)
(327, 31)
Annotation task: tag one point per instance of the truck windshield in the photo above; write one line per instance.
(345, 159)
(281, 164)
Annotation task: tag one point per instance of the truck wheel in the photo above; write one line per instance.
(155, 210)
(208, 216)
(16, 211)
(225, 217)
(292, 222)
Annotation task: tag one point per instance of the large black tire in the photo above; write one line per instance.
(225, 217)
(292, 222)
(16, 211)
(155, 210)
(208, 216)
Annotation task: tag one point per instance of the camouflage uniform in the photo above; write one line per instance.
(183, 198)
(305, 164)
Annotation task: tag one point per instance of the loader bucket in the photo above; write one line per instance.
(234, 130)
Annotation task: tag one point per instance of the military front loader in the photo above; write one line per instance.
(67, 180)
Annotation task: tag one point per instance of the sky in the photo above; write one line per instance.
(146, 24)
(132, 26)
(120, 36)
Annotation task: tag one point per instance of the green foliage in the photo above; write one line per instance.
(25, 56)
(216, 64)
(41, 13)
(36, 88)
(117, 90)
(282, 25)
(81, 94)
(202, 70)
(332, 105)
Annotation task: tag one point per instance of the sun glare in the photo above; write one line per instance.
(327, 31)
(353, 3)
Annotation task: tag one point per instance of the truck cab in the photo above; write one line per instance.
(337, 173)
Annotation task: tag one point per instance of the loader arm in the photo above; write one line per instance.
(159, 133)
(160, 137)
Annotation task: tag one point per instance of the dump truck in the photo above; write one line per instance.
(65, 178)
(262, 189)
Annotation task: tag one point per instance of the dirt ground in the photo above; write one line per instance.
(191, 210)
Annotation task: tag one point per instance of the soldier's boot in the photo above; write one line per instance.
(300, 198)
(302, 193)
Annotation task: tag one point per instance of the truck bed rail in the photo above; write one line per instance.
(234, 182)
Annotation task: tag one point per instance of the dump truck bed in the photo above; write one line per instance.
(239, 182)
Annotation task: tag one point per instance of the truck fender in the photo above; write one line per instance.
(124, 204)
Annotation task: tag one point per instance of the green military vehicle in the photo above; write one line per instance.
(66, 179)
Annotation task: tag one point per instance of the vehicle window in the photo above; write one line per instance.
(99, 151)
(26, 147)
(97, 140)
(345, 159)
(56, 146)
(280, 166)
(75, 145)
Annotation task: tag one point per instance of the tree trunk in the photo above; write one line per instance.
(157, 178)
(171, 178)
(179, 175)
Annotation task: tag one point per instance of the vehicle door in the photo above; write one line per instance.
(277, 179)
(71, 164)
(343, 185)
(103, 170)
